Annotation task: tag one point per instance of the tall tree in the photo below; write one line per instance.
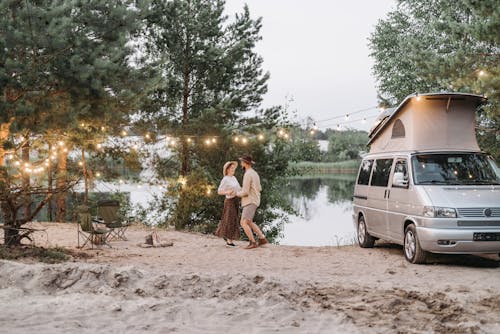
(441, 45)
(66, 62)
(213, 86)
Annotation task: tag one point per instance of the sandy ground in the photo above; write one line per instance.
(199, 285)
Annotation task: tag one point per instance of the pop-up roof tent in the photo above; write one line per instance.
(435, 121)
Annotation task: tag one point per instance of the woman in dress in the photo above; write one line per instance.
(229, 227)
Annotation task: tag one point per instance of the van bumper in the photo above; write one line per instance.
(458, 241)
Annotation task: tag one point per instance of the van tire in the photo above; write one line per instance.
(365, 240)
(411, 247)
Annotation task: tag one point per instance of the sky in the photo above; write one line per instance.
(318, 56)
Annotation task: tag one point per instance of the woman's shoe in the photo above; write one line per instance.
(230, 244)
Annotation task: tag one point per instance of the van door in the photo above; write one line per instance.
(377, 197)
(398, 205)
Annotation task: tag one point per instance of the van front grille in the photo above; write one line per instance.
(479, 212)
(484, 223)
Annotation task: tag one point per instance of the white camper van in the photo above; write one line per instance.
(425, 184)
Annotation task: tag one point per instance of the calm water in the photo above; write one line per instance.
(325, 208)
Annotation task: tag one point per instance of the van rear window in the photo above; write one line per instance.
(381, 172)
(364, 172)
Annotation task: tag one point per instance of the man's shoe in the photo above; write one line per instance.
(252, 245)
(263, 241)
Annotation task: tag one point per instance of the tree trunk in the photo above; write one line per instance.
(61, 180)
(49, 184)
(4, 134)
(86, 180)
(185, 119)
(25, 152)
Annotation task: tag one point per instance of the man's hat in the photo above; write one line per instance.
(247, 158)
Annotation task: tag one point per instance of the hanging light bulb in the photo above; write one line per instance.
(261, 137)
(244, 140)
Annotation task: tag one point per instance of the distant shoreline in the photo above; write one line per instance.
(324, 168)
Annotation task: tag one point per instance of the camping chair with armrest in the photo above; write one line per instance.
(109, 215)
(88, 232)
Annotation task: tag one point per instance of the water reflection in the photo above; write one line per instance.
(324, 205)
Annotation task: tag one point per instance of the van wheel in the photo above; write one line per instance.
(413, 252)
(365, 240)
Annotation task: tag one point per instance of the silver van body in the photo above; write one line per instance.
(450, 215)
(425, 183)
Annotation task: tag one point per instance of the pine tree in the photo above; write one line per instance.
(212, 82)
(441, 45)
(63, 63)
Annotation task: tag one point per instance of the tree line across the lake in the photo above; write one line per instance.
(79, 78)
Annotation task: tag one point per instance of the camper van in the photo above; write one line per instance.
(425, 184)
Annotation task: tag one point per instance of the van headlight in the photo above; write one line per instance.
(439, 212)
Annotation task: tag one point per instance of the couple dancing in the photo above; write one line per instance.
(250, 200)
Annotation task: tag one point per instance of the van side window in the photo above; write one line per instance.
(364, 172)
(381, 172)
(400, 177)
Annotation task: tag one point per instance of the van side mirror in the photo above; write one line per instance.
(399, 180)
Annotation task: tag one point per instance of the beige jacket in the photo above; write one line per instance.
(250, 192)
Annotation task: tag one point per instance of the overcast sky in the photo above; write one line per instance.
(317, 53)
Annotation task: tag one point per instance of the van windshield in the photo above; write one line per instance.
(455, 168)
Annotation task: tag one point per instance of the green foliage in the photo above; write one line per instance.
(311, 168)
(64, 62)
(346, 145)
(441, 45)
(212, 79)
(47, 255)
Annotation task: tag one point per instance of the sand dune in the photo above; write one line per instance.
(200, 286)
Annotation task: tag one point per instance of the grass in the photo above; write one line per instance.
(47, 255)
(308, 167)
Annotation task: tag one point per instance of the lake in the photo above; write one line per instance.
(325, 209)
(323, 203)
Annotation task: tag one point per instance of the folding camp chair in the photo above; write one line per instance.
(87, 232)
(108, 214)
